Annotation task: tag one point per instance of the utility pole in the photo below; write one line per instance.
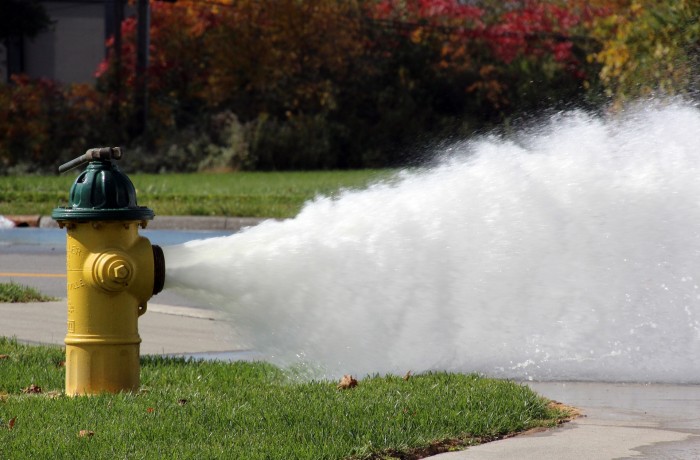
(143, 43)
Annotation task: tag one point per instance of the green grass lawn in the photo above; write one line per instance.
(242, 194)
(205, 410)
(13, 292)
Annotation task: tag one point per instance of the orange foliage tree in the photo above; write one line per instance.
(43, 123)
(648, 47)
(329, 83)
(502, 54)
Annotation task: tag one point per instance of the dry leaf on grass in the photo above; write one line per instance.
(86, 433)
(32, 389)
(4, 356)
(408, 375)
(11, 423)
(347, 382)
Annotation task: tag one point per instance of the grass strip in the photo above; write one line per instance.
(12, 292)
(241, 194)
(201, 409)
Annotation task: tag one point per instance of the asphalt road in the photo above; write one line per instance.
(44, 272)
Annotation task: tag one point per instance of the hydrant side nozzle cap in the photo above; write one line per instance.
(102, 192)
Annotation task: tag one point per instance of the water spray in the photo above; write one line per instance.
(569, 253)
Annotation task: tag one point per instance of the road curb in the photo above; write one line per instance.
(215, 223)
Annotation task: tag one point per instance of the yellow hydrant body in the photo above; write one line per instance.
(112, 272)
(108, 269)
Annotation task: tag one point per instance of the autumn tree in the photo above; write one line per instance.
(43, 124)
(648, 47)
(506, 56)
(331, 84)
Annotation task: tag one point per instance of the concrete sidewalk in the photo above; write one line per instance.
(653, 421)
(164, 329)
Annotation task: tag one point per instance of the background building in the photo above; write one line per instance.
(70, 50)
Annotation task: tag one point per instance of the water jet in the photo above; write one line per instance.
(567, 253)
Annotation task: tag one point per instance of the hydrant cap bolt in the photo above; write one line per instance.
(113, 271)
(120, 272)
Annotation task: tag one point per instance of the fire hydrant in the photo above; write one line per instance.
(111, 274)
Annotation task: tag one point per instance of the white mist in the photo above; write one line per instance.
(572, 252)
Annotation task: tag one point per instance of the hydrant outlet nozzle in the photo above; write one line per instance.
(158, 269)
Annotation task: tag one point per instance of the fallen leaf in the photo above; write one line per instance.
(408, 375)
(11, 423)
(150, 410)
(32, 389)
(61, 364)
(4, 356)
(86, 433)
(571, 411)
(347, 382)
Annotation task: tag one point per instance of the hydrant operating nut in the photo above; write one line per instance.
(112, 271)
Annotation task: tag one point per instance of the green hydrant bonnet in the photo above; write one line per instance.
(102, 192)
